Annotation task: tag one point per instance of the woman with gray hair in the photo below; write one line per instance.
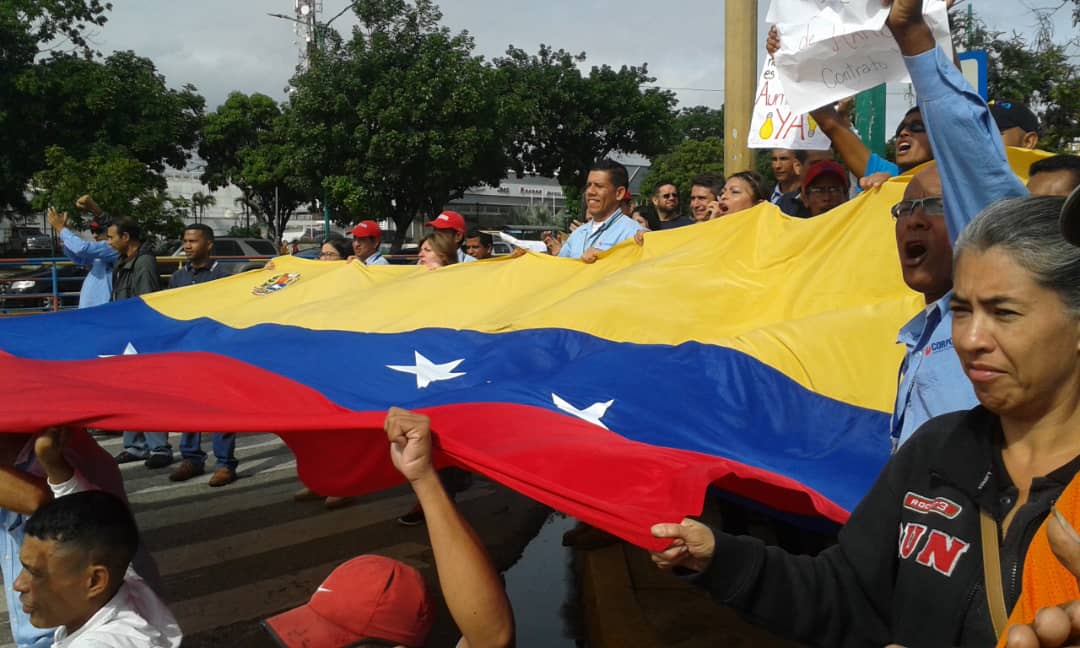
(933, 555)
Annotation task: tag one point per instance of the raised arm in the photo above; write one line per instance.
(967, 145)
(76, 248)
(471, 586)
(845, 142)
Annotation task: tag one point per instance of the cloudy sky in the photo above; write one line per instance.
(224, 46)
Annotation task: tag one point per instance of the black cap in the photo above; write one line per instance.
(1013, 114)
(1070, 218)
(100, 224)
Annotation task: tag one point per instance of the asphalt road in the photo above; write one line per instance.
(232, 556)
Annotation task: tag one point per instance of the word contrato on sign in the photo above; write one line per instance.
(832, 49)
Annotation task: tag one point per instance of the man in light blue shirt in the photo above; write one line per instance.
(606, 187)
(97, 255)
(974, 173)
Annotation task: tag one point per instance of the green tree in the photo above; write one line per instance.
(562, 120)
(682, 163)
(1038, 71)
(28, 30)
(699, 122)
(398, 120)
(244, 143)
(111, 128)
(199, 203)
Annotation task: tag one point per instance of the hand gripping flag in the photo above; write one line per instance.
(757, 352)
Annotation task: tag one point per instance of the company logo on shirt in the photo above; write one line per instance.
(938, 347)
(944, 507)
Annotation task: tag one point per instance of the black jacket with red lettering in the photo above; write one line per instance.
(908, 565)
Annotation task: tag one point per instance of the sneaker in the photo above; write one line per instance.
(185, 470)
(415, 517)
(126, 457)
(222, 477)
(158, 461)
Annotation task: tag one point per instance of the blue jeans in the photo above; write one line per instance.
(224, 449)
(144, 444)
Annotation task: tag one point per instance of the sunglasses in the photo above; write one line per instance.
(931, 206)
(913, 126)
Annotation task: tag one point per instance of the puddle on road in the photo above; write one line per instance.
(543, 590)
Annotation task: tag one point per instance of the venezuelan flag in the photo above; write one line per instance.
(757, 352)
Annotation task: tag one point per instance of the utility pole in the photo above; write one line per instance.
(740, 74)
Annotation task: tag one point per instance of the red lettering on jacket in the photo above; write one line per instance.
(910, 535)
(942, 506)
(942, 552)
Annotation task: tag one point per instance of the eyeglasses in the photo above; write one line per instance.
(913, 126)
(931, 206)
(671, 195)
(817, 191)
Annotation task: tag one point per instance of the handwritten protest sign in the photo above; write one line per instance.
(774, 124)
(831, 49)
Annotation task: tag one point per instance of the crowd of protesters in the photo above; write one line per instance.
(985, 417)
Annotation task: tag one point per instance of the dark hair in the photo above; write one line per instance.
(202, 228)
(94, 522)
(100, 224)
(129, 227)
(616, 172)
(1063, 162)
(756, 182)
(656, 190)
(485, 239)
(714, 182)
(650, 216)
(339, 243)
(442, 243)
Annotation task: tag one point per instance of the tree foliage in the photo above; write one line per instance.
(699, 123)
(1038, 71)
(399, 119)
(245, 143)
(561, 120)
(681, 164)
(111, 129)
(73, 123)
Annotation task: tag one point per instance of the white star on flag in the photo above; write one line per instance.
(128, 350)
(427, 372)
(592, 414)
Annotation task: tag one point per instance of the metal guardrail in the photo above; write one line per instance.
(14, 271)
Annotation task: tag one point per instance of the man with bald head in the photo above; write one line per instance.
(925, 251)
(971, 172)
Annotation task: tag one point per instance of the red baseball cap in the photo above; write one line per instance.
(449, 220)
(367, 229)
(369, 597)
(825, 167)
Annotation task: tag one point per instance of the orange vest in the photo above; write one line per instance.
(1046, 582)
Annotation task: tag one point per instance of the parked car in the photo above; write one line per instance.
(29, 241)
(32, 288)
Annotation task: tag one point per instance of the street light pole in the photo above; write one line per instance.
(319, 33)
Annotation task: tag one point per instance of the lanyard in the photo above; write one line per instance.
(603, 228)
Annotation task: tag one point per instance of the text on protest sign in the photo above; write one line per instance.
(774, 124)
(831, 49)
